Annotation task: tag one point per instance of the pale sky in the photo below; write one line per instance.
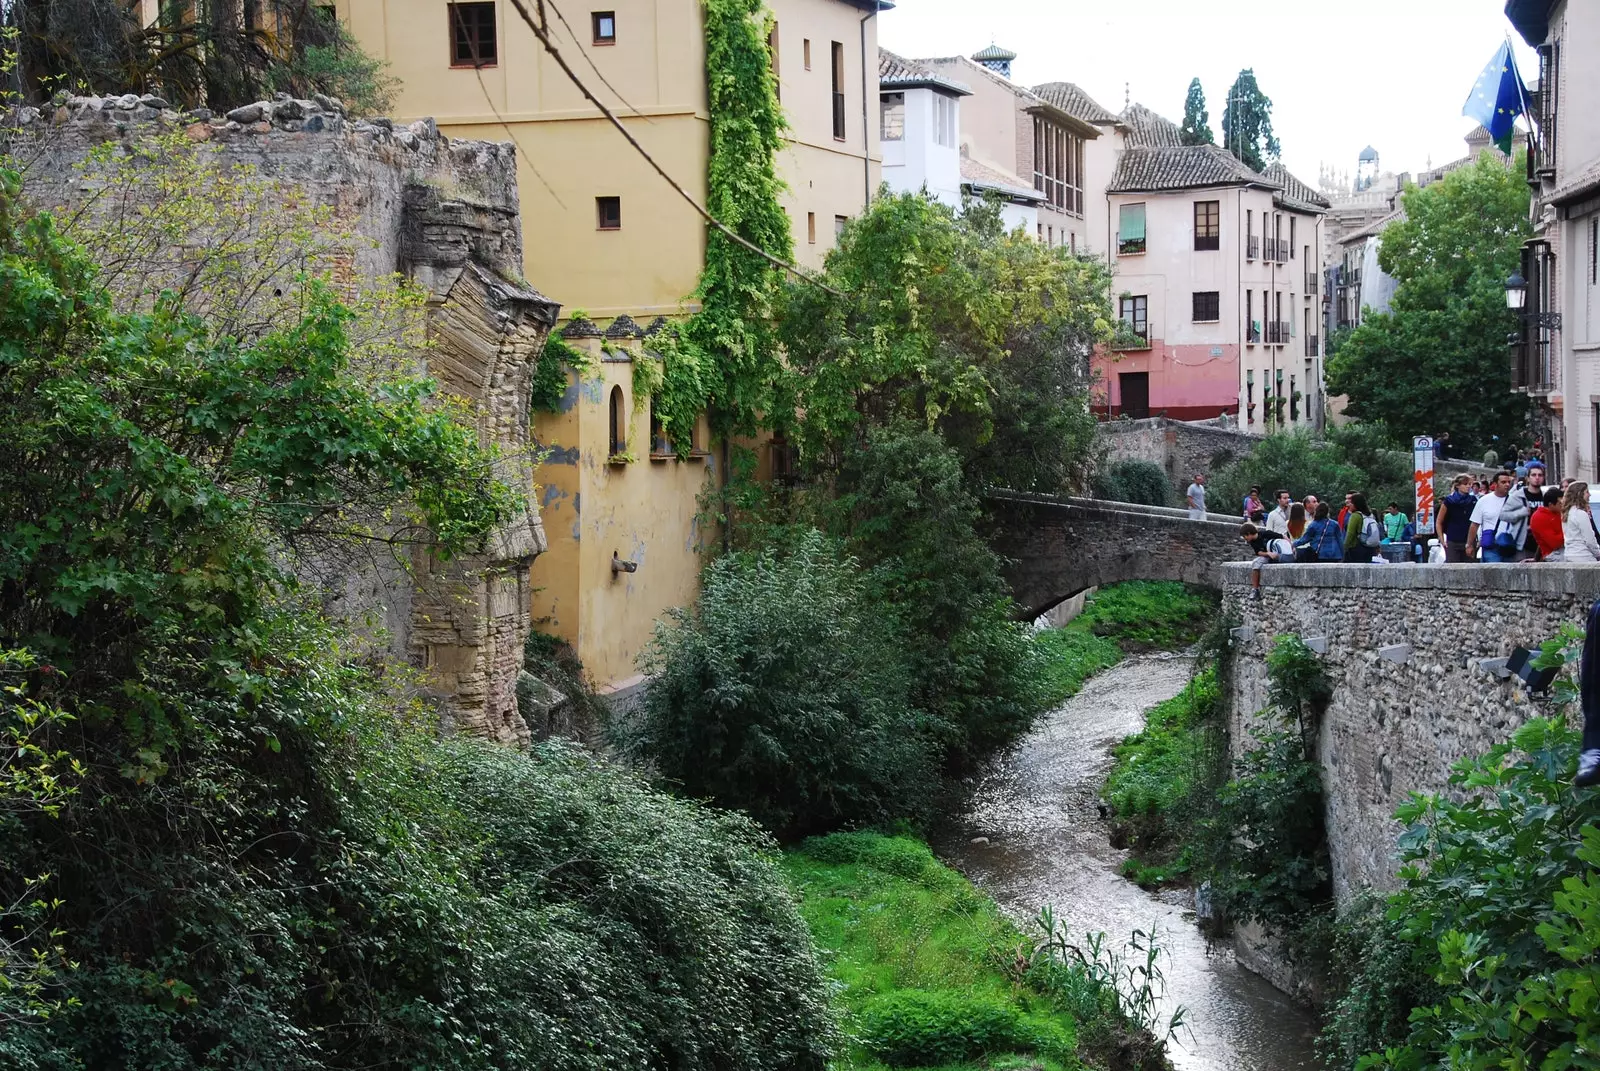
(1341, 75)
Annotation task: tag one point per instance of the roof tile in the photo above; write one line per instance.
(1181, 167)
(1074, 101)
(897, 72)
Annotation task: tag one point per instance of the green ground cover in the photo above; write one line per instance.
(929, 973)
(1122, 619)
(1154, 777)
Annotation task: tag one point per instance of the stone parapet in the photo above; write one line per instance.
(1404, 650)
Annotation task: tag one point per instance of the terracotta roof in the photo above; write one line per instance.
(1074, 101)
(897, 72)
(1181, 167)
(982, 177)
(1296, 194)
(1148, 130)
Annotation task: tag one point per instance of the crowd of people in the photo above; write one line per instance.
(1512, 516)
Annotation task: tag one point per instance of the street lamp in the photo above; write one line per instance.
(1516, 291)
(1517, 300)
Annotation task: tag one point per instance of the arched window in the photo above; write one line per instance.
(619, 423)
(658, 434)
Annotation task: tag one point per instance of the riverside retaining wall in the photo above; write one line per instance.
(1404, 645)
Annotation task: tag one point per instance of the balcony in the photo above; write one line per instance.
(1252, 331)
(1311, 345)
(1311, 283)
(1126, 246)
(1277, 332)
(1252, 247)
(1278, 250)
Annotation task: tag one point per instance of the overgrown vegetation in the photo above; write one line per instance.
(231, 833)
(1355, 457)
(217, 55)
(930, 974)
(1133, 480)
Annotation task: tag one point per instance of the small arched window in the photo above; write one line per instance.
(658, 434)
(619, 423)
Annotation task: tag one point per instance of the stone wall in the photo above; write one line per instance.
(1404, 643)
(1180, 447)
(445, 213)
(1054, 548)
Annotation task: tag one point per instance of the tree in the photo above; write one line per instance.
(1438, 358)
(210, 53)
(1196, 129)
(1247, 123)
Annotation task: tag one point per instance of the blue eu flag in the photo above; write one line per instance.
(1497, 98)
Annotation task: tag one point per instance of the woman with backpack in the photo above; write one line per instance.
(1362, 533)
(1323, 540)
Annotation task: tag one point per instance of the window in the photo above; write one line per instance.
(811, 227)
(1136, 314)
(838, 226)
(1130, 229)
(472, 35)
(1291, 237)
(605, 27)
(1207, 306)
(608, 213)
(1207, 225)
(944, 121)
(772, 55)
(805, 51)
(659, 443)
(1058, 166)
(892, 117)
(838, 91)
(619, 423)
(1050, 236)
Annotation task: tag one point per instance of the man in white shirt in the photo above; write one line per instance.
(1278, 519)
(1486, 519)
(1197, 497)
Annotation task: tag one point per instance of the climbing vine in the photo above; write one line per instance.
(726, 353)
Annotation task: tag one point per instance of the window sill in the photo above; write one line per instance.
(1216, 321)
(474, 66)
(1132, 253)
(839, 139)
(608, 228)
(619, 460)
(605, 44)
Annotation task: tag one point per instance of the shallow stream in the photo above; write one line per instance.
(1047, 844)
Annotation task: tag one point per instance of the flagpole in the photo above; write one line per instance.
(1522, 90)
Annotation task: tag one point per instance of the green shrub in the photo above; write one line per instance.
(1154, 769)
(901, 856)
(1143, 615)
(1133, 480)
(911, 1028)
(783, 691)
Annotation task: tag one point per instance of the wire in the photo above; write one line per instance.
(541, 31)
(590, 61)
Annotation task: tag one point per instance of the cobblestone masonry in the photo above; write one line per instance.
(1397, 727)
(446, 213)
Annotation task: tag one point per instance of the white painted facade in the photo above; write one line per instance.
(926, 155)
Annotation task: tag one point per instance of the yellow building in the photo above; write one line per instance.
(603, 233)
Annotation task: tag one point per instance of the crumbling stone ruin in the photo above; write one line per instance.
(445, 213)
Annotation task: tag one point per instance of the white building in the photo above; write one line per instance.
(921, 124)
(1557, 358)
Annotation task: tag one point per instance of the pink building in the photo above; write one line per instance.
(1217, 280)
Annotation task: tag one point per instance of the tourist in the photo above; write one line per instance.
(1197, 497)
(1525, 497)
(1269, 548)
(1362, 534)
(1344, 512)
(1311, 503)
(1545, 526)
(1455, 517)
(1577, 526)
(1323, 540)
(1589, 696)
(1297, 521)
(1441, 445)
(1278, 519)
(1485, 540)
(1253, 504)
(1394, 524)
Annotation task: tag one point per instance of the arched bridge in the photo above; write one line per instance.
(1056, 547)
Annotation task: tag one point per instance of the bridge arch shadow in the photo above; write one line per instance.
(1055, 547)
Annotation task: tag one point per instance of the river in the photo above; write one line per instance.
(1046, 844)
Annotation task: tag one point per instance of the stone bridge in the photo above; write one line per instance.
(1057, 547)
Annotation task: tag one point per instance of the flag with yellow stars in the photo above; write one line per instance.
(1498, 98)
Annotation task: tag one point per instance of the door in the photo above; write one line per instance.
(1135, 388)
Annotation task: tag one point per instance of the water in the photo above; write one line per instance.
(1048, 845)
